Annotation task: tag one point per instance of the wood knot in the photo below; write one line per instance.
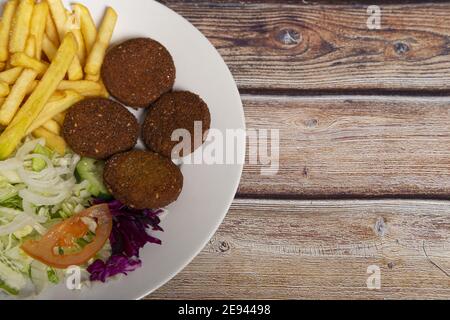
(305, 172)
(288, 37)
(391, 265)
(224, 246)
(401, 48)
(311, 123)
(380, 227)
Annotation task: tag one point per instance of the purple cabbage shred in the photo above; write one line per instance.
(129, 234)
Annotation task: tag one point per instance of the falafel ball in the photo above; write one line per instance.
(99, 128)
(138, 71)
(175, 110)
(143, 180)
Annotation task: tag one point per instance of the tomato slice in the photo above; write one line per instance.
(65, 233)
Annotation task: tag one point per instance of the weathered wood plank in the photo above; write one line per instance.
(276, 46)
(360, 146)
(322, 249)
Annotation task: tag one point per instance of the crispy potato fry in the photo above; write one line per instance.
(5, 28)
(83, 87)
(4, 89)
(21, 26)
(53, 108)
(53, 141)
(60, 117)
(37, 27)
(19, 90)
(34, 105)
(49, 48)
(20, 59)
(50, 30)
(32, 86)
(88, 28)
(59, 15)
(52, 126)
(97, 55)
(10, 76)
(92, 77)
(73, 24)
(16, 97)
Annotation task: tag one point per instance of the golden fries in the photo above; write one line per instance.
(10, 76)
(37, 27)
(49, 48)
(75, 49)
(88, 28)
(17, 129)
(58, 12)
(60, 117)
(19, 89)
(50, 30)
(54, 108)
(52, 126)
(53, 141)
(5, 28)
(21, 26)
(84, 87)
(4, 89)
(22, 60)
(97, 55)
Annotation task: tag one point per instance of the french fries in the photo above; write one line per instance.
(88, 28)
(52, 126)
(17, 129)
(20, 59)
(35, 95)
(52, 140)
(54, 108)
(50, 30)
(37, 27)
(60, 117)
(21, 26)
(49, 47)
(59, 15)
(97, 55)
(83, 87)
(10, 76)
(19, 89)
(5, 28)
(4, 89)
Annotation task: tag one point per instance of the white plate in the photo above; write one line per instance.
(208, 190)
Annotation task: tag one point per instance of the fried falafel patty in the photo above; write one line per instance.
(138, 71)
(143, 180)
(99, 128)
(175, 110)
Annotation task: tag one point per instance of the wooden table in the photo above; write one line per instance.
(364, 180)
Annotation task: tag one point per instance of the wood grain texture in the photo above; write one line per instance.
(359, 146)
(321, 250)
(310, 46)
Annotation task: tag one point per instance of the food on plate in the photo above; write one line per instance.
(58, 248)
(5, 27)
(97, 55)
(175, 110)
(73, 190)
(16, 130)
(99, 128)
(143, 179)
(138, 71)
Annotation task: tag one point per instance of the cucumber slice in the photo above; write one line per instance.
(43, 151)
(38, 164)
(92, 171)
